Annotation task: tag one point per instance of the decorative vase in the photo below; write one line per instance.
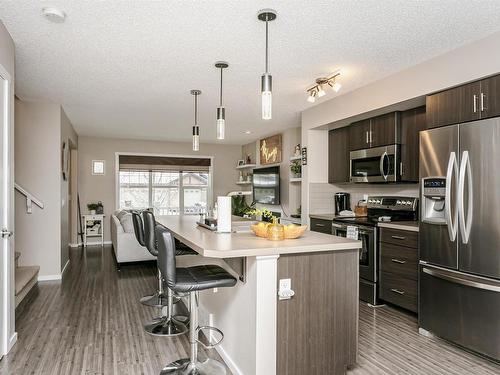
(275, 231)
(92, 212)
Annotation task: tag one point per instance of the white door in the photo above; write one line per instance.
(7, 335)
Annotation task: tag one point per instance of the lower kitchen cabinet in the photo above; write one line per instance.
(321, 225)
(399, 268)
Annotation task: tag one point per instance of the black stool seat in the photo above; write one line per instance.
(183, 249)
(203, 277)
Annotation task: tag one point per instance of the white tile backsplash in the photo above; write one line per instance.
(321, 194)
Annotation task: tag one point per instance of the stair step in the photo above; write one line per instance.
(26, 278)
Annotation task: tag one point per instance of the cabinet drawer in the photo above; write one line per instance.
(399, 260)
(399, 237)
(399, 290)
(321, 225)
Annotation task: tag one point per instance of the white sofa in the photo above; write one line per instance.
(125, 245)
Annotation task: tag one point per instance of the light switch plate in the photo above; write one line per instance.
(285, 284)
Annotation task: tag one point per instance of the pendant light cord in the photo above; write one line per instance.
(267, 45)
(195, 109)
(221, 87)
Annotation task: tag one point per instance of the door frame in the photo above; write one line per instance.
(8, 336)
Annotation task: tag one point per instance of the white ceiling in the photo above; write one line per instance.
(125, 68)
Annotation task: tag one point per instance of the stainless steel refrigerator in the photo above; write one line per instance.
(459, 285)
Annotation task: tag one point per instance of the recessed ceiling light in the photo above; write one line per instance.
(248, 132)
(54, 15)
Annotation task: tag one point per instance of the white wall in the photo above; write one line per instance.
(7, 55)
(467, 63)
(102, 188)
(38, 169)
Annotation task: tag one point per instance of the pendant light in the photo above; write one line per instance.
(221, 111)
(196, 128)
(267, 15)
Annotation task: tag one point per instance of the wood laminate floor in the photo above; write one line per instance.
(91, 323)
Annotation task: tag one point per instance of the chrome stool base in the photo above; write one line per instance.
(165, 326)
(155, 300)
(185, 367)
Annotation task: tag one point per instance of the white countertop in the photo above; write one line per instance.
(411, 226)
(233, 245)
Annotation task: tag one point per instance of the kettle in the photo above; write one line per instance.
(342, 202)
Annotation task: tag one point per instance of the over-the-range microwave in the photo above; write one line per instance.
(378, 164)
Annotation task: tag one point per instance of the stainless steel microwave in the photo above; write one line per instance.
(378, 164)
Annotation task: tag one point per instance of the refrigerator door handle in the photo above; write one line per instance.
(451, 221)
(465, 222)
(458, 280)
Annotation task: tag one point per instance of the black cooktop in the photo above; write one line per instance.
(360, 220)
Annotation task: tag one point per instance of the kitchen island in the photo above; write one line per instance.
(313, 332)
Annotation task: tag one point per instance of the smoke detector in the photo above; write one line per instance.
(54, 15)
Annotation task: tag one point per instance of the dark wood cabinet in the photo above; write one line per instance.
(489, 99)
(469, 102)
(399, 267)
(338, 155)
(321, 225)
(359, 135)
(385, 129)
(412, 122)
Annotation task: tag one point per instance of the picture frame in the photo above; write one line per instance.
(270, 150)
(240, 163)
(98, 167)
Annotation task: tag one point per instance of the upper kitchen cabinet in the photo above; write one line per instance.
(412, 122)
(489, 98)
(338, 155)
(359, 135)
(465, 103)
(384, 130)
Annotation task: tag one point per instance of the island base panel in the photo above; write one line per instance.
(317, 329)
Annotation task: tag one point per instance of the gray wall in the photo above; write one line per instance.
(103, 188)
(38, 165)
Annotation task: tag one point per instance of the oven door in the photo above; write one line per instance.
(367, 256)
(379, 164)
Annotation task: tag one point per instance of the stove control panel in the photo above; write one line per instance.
(393, 203)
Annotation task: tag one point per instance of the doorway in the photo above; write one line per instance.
(7, 293)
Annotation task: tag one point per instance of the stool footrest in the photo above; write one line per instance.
(209, 328)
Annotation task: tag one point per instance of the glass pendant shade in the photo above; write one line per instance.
(336, 87)
(196, 138)
(221, 123)
(267, 96)
(321, 92)
(311, 98)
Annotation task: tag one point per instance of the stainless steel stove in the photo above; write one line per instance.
(366, 230)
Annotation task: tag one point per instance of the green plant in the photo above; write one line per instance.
(239, 205)
(93, 206)
(265, 213)
(296, 167)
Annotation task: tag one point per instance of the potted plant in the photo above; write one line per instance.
(296, 168)
(93, 207)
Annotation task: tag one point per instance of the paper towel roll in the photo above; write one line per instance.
(224, 214)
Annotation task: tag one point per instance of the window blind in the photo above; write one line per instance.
(159, 163)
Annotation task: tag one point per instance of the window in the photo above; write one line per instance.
(167, 192)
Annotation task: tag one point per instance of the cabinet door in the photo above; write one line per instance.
(385, 129)
(359, 133)
(338, 155)
(489, 99)
(470, 101)
(412, 122)
(321, 225)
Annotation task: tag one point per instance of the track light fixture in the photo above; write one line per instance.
(196, 128)
(317, 91)
(221, 111)
(266, 82)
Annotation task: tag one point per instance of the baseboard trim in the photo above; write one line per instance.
(79, 244)
(50, 277)
(64, 268)
(12, 342)
(229, 362)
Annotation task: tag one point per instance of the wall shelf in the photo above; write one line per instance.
(295, 179)
(244, 183)
(295, 158)
(246, 166)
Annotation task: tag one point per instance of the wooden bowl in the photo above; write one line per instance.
(294, 231)
(260, 230)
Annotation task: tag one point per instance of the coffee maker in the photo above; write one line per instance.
(342, 202)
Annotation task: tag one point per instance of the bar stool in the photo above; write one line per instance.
(170, 323)
(192, 280)
(158, 299)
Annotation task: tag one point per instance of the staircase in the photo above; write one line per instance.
(26, 278)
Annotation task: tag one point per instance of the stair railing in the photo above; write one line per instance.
(30, 199)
